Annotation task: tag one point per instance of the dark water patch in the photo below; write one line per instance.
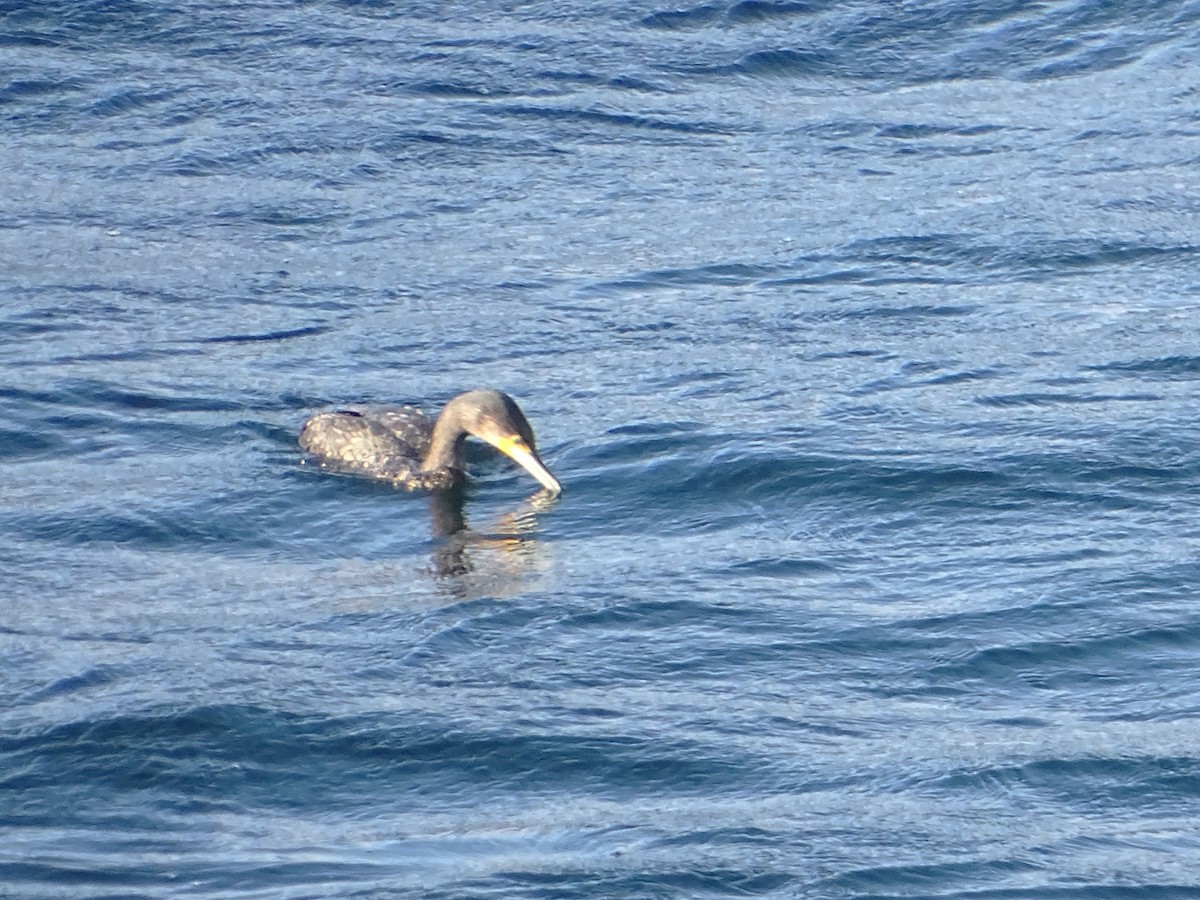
(192, 164)
(860, 353)
(1168, 710)
(897, 264)
(126, 101)
(572, 77)
(746, 836)
(867, 277)
(696, 17)
(1061, 559)
(950, 378)
(645, 327)
(1079, 664)
(689, 473)
(972, 259)
(113, 398)
(868, 650)
(38, 322)
(19, 91)
(1043, 253)
(696, 492)
(1168, 368)
(365, 173)
(121, 356)
(478, 40)
(150, 515)
(265, 336)
(308, 879)
(147, 528)
(697, 882)
(765, 10)
(963, 484)
(16, 445)
(256, 755)
(87, 17)
(14, 36)
(275, 156)
(1143, 476)
(669, 616)
(1047, 399)
(937, 42)
(477, 625)
(877, 666)
(947, 880)
(700, 384)
(737, 13)
(95, 677)
(73, 425)
(457, 90)
(910, 132)
(284, 159)
(609, 121)
(1151, 204)
(1020, 722)
(725, 274)
(640, 85)
(837, 131)
(929, 249)
(80, 422)
(905, 312)
(1023, 615)
(673, 474)
(1064, 256)
(431, 147)
(310, 213)
(783, 64)
(1093, 782)
(638, 440)
(68, 878)
(94, 396)
(109, 638)
(779, 567)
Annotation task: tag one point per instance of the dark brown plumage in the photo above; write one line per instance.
(407, 447)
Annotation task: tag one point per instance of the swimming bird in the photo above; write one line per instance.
(409, 448)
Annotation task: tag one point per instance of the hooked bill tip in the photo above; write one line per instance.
(531, 463)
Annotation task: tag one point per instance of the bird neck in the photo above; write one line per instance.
(446, 446)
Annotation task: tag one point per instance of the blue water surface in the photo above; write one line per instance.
(862, 336)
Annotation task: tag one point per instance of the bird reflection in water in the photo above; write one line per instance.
(504, 552)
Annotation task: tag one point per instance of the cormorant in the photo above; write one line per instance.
(407, 447)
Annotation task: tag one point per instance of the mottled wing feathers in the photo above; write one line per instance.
(411, 427)
(348, 440)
